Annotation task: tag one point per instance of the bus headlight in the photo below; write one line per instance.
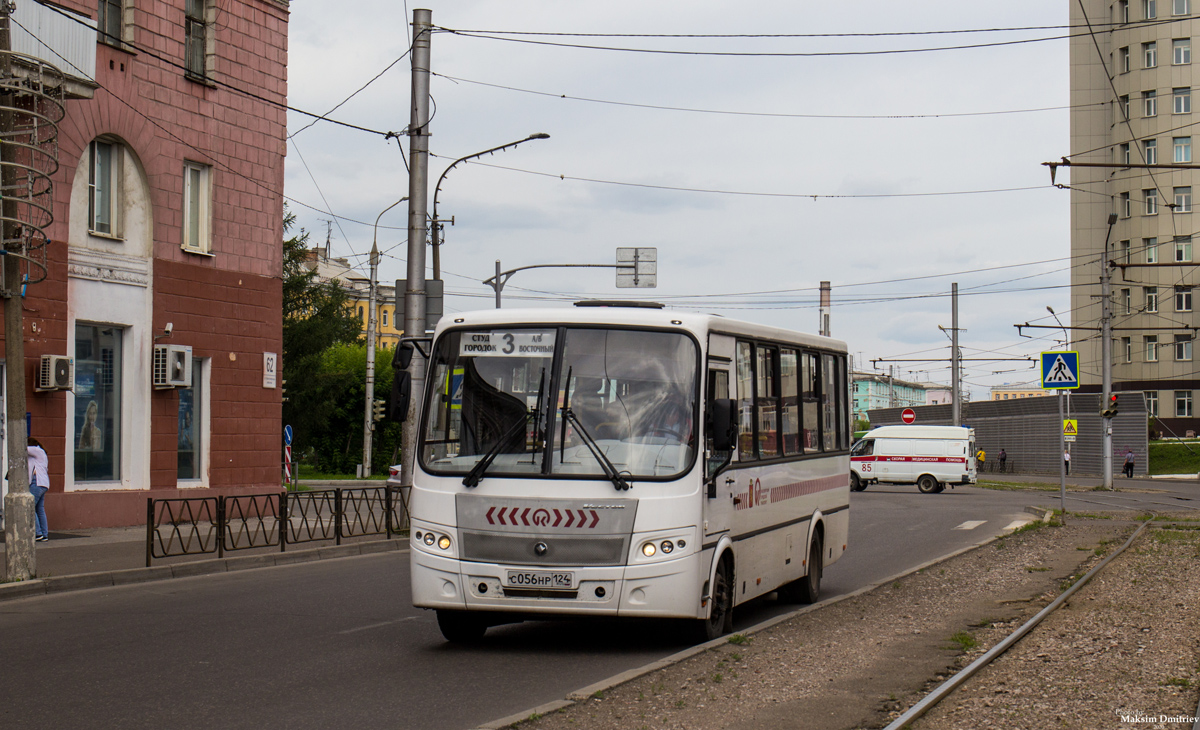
(429, 538)
(648, 550)
(667, 546)
(444, 542)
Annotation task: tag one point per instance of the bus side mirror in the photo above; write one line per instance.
(722, 425)
(401, 383)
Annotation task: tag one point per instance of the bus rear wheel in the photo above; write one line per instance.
(461, 627)
(928, 485)
(720, 617)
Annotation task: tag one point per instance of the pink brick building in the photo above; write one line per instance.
(167, 211)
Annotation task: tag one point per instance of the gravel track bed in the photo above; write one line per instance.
(859, 662)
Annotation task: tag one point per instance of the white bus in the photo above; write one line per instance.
(621, 459)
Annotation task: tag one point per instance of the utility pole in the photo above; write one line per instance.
(19, 556)
(824, 310)
(1106, 352)
(418, 203)
(368, 419)
(955, 390)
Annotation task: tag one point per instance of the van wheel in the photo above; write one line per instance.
(720, 618)
(928, 485)
(461, 627)
(856, 484)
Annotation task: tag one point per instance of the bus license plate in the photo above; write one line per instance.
(544, 579)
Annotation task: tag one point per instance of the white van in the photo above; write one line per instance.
(929, 456)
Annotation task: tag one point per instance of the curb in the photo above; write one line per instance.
(128, 576)
(631, 674)
(1043, 513)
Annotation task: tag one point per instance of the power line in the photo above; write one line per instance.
(759, 194)
(775, 115)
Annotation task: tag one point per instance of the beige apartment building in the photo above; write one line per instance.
(1131, 104)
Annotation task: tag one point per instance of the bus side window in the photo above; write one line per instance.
(745, 401)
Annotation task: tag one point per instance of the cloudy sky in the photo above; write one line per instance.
(757, 165)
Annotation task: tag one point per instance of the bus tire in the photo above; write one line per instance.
(461, 627)
(927, 484)
(720, 616)
(856, 484)
(808, 588)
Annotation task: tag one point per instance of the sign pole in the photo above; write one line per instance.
(1062, 462)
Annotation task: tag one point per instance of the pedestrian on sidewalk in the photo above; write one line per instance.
(1129, 462)
(1067, 461)
(39, 484)
(1003, 460)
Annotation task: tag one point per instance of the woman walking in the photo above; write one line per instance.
(39, 484)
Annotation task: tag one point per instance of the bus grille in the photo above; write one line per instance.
(513, 549)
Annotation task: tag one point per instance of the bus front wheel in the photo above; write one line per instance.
(461, 627)
(720, 617)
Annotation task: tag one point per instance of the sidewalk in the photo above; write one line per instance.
(74, 559)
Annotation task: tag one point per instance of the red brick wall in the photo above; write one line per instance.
(227, 305)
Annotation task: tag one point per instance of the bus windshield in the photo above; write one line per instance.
(568, 401)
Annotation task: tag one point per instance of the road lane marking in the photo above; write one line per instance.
(378, 625)
(970, 524)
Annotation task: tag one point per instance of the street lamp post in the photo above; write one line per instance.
(368, 419)
(435, 233)
(1062, 438)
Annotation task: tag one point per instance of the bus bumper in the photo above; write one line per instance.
(665, 589)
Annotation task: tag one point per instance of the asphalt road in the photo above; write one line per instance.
(337, 644)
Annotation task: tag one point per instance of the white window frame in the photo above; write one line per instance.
(1126, 207)
(113, 202)
(197, 203)
(1151, 293)
(1182, 100)
(1126, 252)
(1150, 103)
(1150, 54)
(1183, 404)
(1183, 249)
(1123, 153)
(1183, 299)
(1150, 246)
(1183, 348)
(1181, 51)
(1181, 7)
(1150, 196)
(1123, 59)
(1183, 149)
(199, 32)
(1124, 101)
(1151, 402)
(1150, 148)
(1183, 199)
(1151, 353)
(1127, 344)
(1127, 298)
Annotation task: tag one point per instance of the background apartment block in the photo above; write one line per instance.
(1132, 84)
(167, 209)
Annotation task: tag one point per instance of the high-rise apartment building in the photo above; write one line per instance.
(1131, 107)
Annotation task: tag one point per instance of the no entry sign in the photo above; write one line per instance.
(908, 415)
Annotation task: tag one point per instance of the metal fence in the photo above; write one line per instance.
(200, 525)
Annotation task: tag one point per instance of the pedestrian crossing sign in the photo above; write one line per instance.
(1060, 370)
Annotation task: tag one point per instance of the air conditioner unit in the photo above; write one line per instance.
(172, 366)
(57, 372)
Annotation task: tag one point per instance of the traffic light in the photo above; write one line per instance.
(377, 409)
(1111, 410)
(283, 391)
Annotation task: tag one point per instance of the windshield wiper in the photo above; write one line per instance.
(610, 469)
(474, 476)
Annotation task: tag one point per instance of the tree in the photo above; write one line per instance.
(315, 318)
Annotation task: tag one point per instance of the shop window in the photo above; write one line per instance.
(97, 431)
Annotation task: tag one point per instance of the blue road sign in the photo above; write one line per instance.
(287, 435)
(1060, 370)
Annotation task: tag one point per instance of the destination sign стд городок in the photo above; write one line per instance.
(520, 343)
